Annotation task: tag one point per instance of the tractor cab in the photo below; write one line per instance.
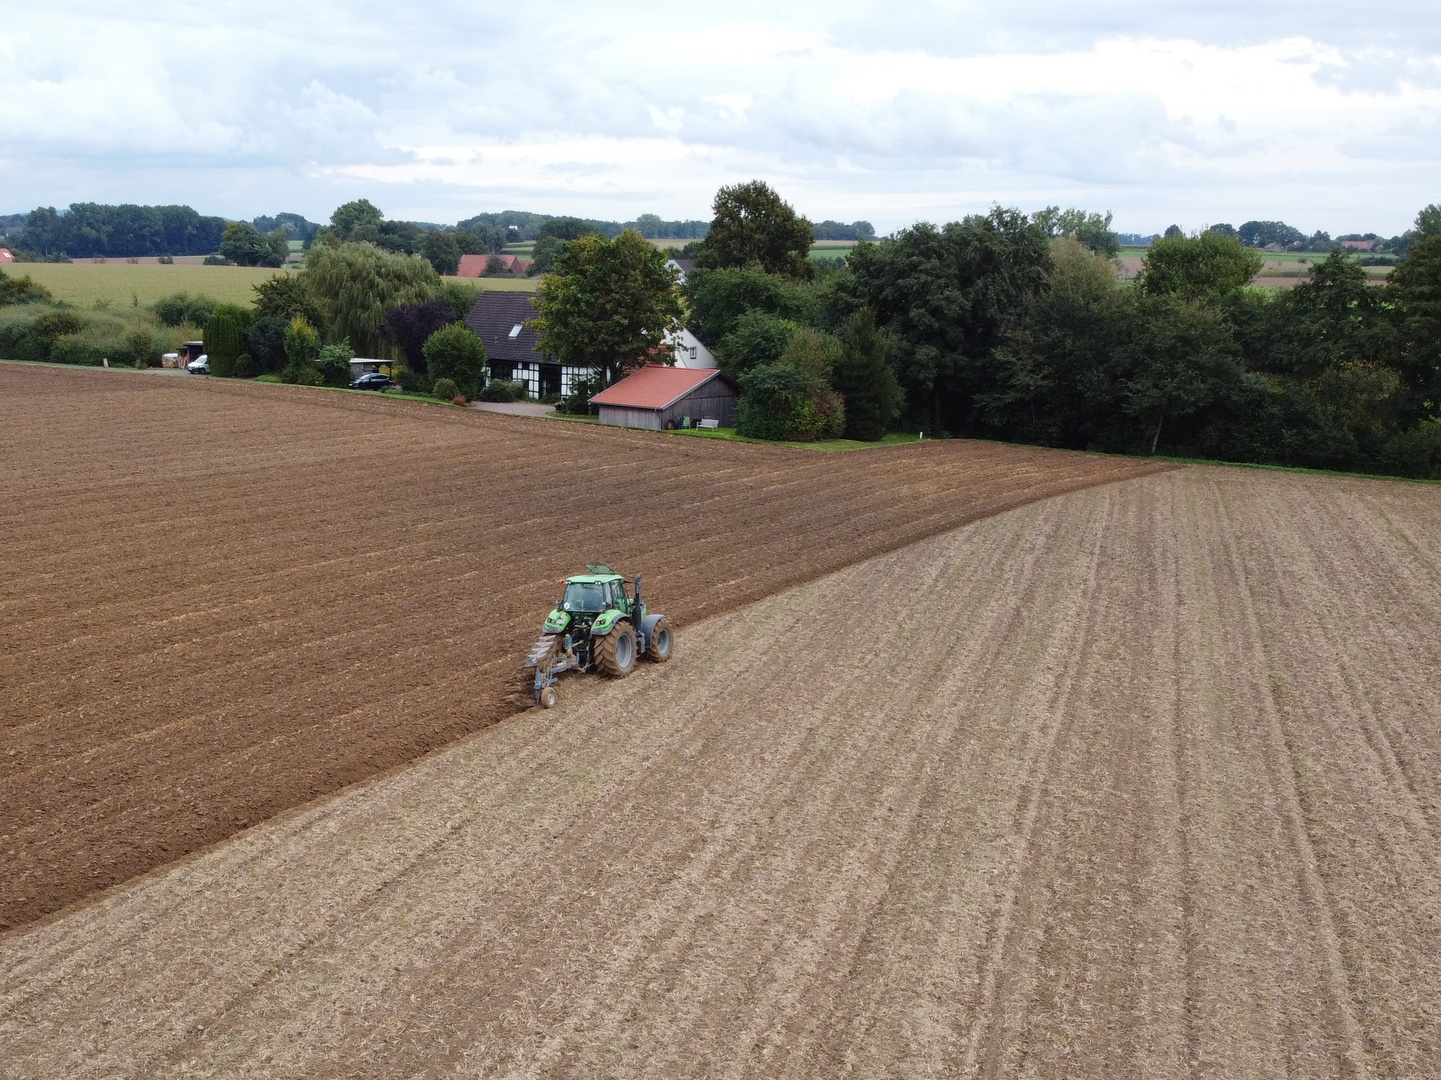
(599, 591)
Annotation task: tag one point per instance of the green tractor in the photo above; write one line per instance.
(596, 626)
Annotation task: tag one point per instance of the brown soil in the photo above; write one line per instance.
(223, 600)
(1144, 782)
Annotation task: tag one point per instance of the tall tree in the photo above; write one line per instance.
(753, 224)
(949, 295)
(245, 245)
(1197, 267)
(1416, 288)
(355, 215)
(863, 377)
(410, 325)
(609, 306)
(355, 284)
(1181, 357)
(442, 251)
(1091, 229)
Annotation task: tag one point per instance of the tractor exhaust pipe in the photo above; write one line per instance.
(635, 615)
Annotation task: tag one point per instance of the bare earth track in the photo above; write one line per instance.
(222, 600)
(1143, 781)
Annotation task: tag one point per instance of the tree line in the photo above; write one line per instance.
(1278, 234)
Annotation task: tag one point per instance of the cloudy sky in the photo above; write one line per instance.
(1324, 114)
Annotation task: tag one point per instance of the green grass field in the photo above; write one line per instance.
(121, 284)
(502, 284)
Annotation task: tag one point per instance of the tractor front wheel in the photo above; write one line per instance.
(615, 655)
(660, 643)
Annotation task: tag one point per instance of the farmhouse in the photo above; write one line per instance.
(476, 265)
(689, 350)
(6, 256)
(658, 397)
(499, 320)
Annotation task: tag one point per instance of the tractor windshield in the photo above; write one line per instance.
(583, 596)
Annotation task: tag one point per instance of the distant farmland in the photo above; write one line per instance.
(121, 284)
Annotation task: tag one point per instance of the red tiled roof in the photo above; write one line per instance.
(5, 255)
(472, 265)
(655, 387)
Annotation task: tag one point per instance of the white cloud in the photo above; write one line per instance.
(1318, 114)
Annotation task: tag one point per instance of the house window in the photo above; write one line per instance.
(515, 330)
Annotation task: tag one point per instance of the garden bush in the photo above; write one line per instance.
(503, 390)
(414, 382)
(783, 403)
(334, 363)
(181, 308)
(454, 352)
(445, 389)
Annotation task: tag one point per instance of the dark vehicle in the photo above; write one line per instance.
(372, 380)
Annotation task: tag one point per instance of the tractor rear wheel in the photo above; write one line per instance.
(615, 655)
(660, 643)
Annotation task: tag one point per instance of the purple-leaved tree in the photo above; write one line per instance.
(410, 325)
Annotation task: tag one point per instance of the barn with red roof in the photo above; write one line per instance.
(660, 397)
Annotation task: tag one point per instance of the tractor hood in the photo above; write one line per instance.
(556, 621)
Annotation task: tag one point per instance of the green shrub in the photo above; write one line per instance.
(22, 290)
(181, 308)
(577, 403)
(302, 347)
(77, 349)
(265, 342)
(334, 363)
(246, 366)
(784, 403)
(455, 352)
(758, 338)
(863, 376)
(503, 390)
(222, 337)
(414, 382)
(1415, 452)
(269, 377)
(445, 389)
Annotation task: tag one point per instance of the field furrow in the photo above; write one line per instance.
(223, 600)
(1133, 782)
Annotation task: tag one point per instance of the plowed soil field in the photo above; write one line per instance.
(1143, 781)
(221, 600)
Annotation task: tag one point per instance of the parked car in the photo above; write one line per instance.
(199, 366)
(372, 380)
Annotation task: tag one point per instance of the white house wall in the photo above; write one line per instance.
(690, 352)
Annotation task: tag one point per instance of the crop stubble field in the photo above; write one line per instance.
(1140, 781)
(222, 600)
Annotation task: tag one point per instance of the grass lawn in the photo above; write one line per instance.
(895, 438)
(502, 284)
(121, 284)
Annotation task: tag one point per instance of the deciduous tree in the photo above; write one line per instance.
(753, 224)
(609, 306)
(354, 285)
